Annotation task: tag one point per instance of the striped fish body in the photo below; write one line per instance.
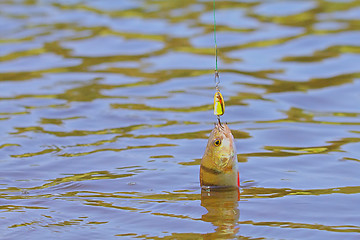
(218, 167)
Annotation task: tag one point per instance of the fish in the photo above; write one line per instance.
(219, 168)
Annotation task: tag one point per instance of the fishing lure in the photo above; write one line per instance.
(219, 104)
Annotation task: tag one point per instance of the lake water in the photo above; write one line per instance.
(106, 107)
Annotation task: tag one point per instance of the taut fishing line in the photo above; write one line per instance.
(219, 104)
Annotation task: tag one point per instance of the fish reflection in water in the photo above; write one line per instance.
(222, 211)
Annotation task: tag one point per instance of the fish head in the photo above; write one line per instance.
(220, 150)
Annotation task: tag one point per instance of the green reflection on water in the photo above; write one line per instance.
(257, 192)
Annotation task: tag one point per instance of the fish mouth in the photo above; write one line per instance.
(223, 129)
(220, 125)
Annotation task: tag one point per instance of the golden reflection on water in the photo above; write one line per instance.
(222, 212)
(105, 108)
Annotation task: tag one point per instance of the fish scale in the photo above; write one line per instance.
(218, 168)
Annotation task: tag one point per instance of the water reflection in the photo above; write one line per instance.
(222, 212)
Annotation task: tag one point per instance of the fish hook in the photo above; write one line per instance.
(218, 118)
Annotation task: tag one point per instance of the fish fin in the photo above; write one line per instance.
(238, 180)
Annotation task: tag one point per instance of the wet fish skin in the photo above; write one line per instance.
(218, 168)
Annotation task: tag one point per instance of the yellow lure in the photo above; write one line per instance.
(219, 104)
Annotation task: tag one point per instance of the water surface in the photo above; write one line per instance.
(106, 106)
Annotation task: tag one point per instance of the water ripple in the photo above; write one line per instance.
(105, 110)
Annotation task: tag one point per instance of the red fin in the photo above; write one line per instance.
(238, 180)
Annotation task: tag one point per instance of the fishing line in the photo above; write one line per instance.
(217, 78)
(219, 104)
(216, 62)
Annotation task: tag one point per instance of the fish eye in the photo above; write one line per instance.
(217, 142)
